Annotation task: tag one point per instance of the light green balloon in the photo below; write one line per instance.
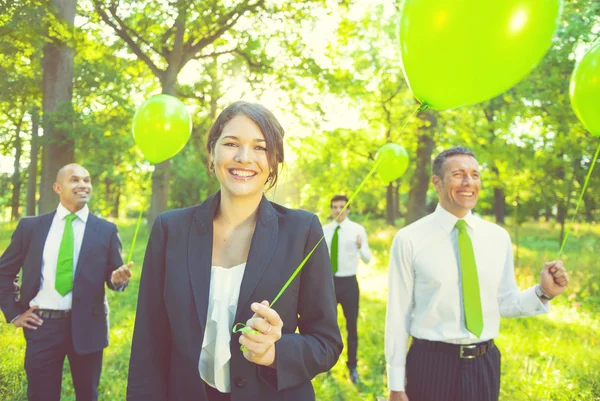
(161, 127)
(584, 90)
(462, 52)
(394, 162)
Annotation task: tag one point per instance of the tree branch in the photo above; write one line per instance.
(128, 39)
(163, 40)
(224, 24)
(248, 59)
(215, 54)
(126, 28)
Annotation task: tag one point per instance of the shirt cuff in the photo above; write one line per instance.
(396, 377)
(532, 305)
(122, 286)
(18, 316)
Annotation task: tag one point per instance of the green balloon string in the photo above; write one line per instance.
(240, 327)
(137, 229)
(137, 226)
(585, 184)
(422, 107)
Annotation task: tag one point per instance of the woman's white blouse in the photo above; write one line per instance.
(223, 298)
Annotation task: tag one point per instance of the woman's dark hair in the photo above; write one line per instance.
(266, 122)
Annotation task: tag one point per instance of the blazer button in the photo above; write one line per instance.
(240, 382)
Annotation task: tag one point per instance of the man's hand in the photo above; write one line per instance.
(121, 275)
(554, 278)
(358, 242)
(29, 320)
(398, 396)
(260, 348)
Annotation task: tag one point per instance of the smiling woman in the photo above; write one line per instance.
(253, 136)
(217, 263)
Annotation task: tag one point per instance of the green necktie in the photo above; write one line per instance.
(64, 265)
(334, 250)
(470, 281)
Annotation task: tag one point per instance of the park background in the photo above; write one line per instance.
(73, 73)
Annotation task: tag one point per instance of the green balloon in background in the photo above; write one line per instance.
(462, 52)
(585, 90)
(161, 127)
(394, 162)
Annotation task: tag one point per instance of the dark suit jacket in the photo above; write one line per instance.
(99, 256)
(173, 305)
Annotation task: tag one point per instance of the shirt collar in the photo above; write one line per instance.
(63, 212)
(448, 220)
(343, 223)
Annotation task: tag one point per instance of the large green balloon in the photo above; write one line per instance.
(461, 52)
(161, 127)
(394, 162)
(585, 90)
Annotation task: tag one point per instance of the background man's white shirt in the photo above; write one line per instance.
(348, 253)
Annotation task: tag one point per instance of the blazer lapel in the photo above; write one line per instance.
(262, 247)
(89, 234)
(38, 242)
(199, 254)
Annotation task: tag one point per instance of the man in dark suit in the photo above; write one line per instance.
(66, 257)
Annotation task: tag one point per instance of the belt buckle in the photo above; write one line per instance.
(462, 351)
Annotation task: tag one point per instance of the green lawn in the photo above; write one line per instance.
(554, 357)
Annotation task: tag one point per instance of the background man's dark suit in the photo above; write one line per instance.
(99, 256)
(173, 304)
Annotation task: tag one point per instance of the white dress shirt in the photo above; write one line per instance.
(223, 298)
(48, 297)
(348, 252)
(425, 295)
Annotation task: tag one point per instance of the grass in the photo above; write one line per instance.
(555, 357)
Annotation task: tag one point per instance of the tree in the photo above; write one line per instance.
(58, 143)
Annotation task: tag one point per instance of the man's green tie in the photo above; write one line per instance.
(334, 250)
(64, 266)
(470, 281)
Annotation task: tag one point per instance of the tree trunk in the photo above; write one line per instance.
(499, 199)
(419, 182)
(162, 171)
(107, 189)
(390, 215)
(516, 218)
(564, 211)
(397, 198)
(115, 209)
(16, 178)
(33, 165)
(57, 83)
(548, 213)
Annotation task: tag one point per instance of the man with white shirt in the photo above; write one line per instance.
(347, 241)
(451, 278)
(67, 256)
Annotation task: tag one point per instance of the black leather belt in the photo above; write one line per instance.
(52, 314)
(468, 351)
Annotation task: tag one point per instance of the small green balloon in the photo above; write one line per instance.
(161, 127)
(584, 90)
(394, 162)
(462, 52)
